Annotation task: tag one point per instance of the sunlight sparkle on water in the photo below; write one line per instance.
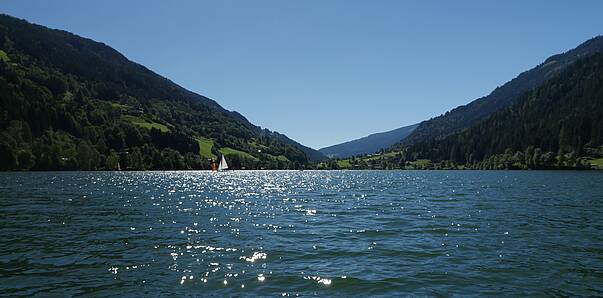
(264, 233)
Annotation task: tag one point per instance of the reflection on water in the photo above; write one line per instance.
(302, 233)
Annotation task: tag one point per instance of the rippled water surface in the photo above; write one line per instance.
(265, 233)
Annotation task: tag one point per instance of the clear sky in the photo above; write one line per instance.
(327, 71)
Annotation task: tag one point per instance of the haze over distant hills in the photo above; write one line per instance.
(369, 144)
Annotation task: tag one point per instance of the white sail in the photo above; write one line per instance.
(223, 165)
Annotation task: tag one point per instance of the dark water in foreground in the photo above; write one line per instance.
(463, 233)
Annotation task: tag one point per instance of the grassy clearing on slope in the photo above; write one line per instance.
(378, 156)
(421, 163)
(146, 124)
(256, 145)
(205, 146)
(280, 157)
(117, 105)
(344, 164)
(229, 151)
(597, 163)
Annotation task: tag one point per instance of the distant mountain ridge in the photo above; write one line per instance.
(464, 116)
(369, 144)
(558, 125)
(312, 154)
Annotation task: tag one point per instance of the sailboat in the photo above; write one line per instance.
(223, 165)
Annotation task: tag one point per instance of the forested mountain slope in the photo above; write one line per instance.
(464, 116)
(556, 126)
(68, 102)
(551, 125)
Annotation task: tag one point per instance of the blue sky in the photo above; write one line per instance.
(326, 71)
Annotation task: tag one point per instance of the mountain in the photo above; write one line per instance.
(69, 103)
(464, 116)
(313, 155)
(558, 125)
(553, 125)
(369, 144)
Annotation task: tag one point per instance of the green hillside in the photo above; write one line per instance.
(556, 126)
(502, 97)
(70, 103)
(559, 124)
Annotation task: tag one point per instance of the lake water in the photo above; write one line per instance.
(326, 233)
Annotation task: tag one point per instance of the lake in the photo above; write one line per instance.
(289, 233)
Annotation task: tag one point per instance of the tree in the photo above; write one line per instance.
(87, 157)
(112, 161)
(8, 156)
(25, 159)
(137, 159)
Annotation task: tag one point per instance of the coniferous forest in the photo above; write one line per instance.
(556, 126)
